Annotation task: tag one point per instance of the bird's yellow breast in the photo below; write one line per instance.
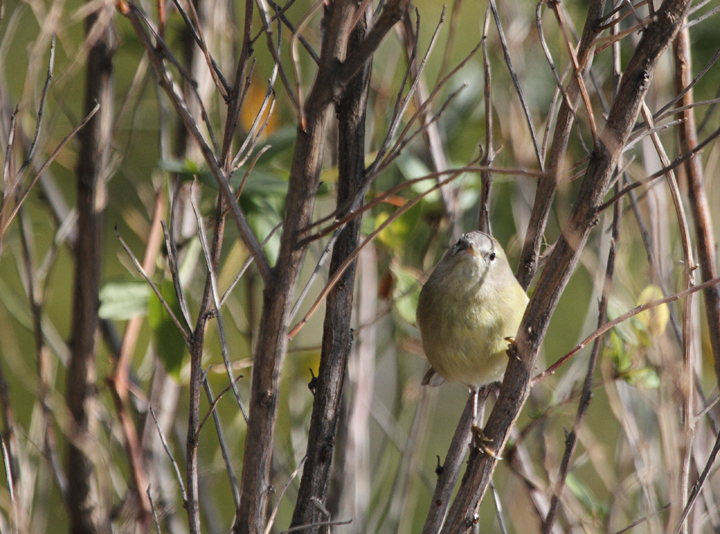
(464, 315)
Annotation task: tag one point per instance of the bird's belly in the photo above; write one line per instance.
(462, 351)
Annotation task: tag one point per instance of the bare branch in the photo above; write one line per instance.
(564, 257)
(166, 81)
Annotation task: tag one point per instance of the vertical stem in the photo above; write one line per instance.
(337, 335)
(431, 133)
(87, 514)
(486, 177)
(353, 498)
(196, 375)
(547, 186)
(586, 395)
(699, 205)
(281, 281)
(565, 256)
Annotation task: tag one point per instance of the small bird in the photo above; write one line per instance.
(468, 311)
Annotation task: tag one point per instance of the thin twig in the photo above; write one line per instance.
(273, 514)
(10, 486)
(173, 267)
(699, 484)
(578, 70)
(486, 178)
(156, 520)
(196, 30)
(22, 196)
(322, 259)
(216, 304)
(449, 471)
(498, 508)
(168, 84)
(170, 455)
(41, 108)
(624, 317)
(162, 300)
(280, 13)
(586, 395)
(454, 173)
(247, 264)
(215, 400)
(677, 161)
(336, 276)
(319, 524)
(516, 83)
(702, 17)
(221, 438)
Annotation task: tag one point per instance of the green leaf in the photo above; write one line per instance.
(188, 170)
(169, 342)
(397, 234)
(260, 183)
(280, 142)
(123, 301)
(411, 168)
(586, 496)
(617, 353)
(643, 378)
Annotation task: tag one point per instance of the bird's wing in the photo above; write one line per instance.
(432, 379)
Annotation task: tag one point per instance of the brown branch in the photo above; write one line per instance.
(334, 72)
(197, 344)
(699, 204)
(586, 395)
(486, 177)
(119, 381)
(431, 132)
(86, 511)
(548, 184)
(564, 258)
(449, 471)
(337, 334)
(133, 14)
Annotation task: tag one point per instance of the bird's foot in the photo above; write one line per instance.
(511, 350)
(480, 441)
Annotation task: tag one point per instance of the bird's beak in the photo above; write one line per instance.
(474, 253)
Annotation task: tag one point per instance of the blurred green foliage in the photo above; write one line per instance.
(402, 458)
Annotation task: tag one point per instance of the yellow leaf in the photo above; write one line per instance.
(654, 319)
(251, 107)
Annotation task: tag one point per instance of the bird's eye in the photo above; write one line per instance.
(492, 256)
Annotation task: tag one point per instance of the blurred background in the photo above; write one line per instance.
(393, 431)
